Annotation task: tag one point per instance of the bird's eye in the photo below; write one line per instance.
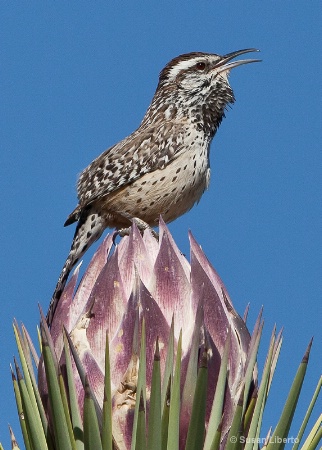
(200, 66)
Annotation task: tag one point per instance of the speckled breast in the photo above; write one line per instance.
(170, 192)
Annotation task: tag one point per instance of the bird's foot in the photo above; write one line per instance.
(141, 226)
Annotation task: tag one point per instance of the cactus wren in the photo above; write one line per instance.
(162, 168)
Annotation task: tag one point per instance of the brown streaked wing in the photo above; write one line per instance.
(136, 155)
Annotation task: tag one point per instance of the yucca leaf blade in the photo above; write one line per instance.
(92, 438)
(154, 429)
(196, 430)
(261, 397)
(60, 427)
(168, 370)
(307, 415)
(21, 416)
(34, 427)
(192, 369)
(217, 405)
(141, 383)
(82, 375)
(66, 410)
(215, 444)
(251, 364)
(284, 423)
(174, 412)
(74, 408)
(250, 410)
(165, 417)
(30, 381)
(141, 429)
(234, 435)
(315, 436)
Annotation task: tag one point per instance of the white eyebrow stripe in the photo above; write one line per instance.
(182, 65)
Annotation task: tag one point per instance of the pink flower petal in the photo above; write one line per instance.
(107, 304)
(172, 287)
(87, 283)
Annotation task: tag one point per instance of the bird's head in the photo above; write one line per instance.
(197, 83)
(195, 72)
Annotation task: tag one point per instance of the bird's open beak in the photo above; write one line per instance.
(224, 63)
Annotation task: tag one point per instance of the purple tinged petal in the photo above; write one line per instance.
(190, 360)
(151, 245)
(205, 342)
(125, 262)
(69, 307)
(135, 256)
(143, 260)
(172, 287)
(220, 315)
(216, 314)
(207, 268)
(89, 279)
(95, 375)
(107, 304)
(183, 260)
(214, 361)
(121, 345)
(123, 359)
(189, 372)
(62, 313)
(156, 326)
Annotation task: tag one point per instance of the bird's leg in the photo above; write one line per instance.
(141, 226)
(89, 228)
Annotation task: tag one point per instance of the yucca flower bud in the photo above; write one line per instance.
(148, 353)
(138, 279)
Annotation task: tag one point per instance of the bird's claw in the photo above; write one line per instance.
(141, 226)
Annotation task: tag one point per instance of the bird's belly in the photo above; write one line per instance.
(169, 192)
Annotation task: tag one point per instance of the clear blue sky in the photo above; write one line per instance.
(76, 77)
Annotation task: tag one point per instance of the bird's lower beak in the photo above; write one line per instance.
(224, 63)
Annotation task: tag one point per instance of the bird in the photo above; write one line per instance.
(162, 168)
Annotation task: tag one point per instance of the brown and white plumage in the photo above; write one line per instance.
(162, 168)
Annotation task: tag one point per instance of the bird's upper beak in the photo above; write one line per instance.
(224, 63)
